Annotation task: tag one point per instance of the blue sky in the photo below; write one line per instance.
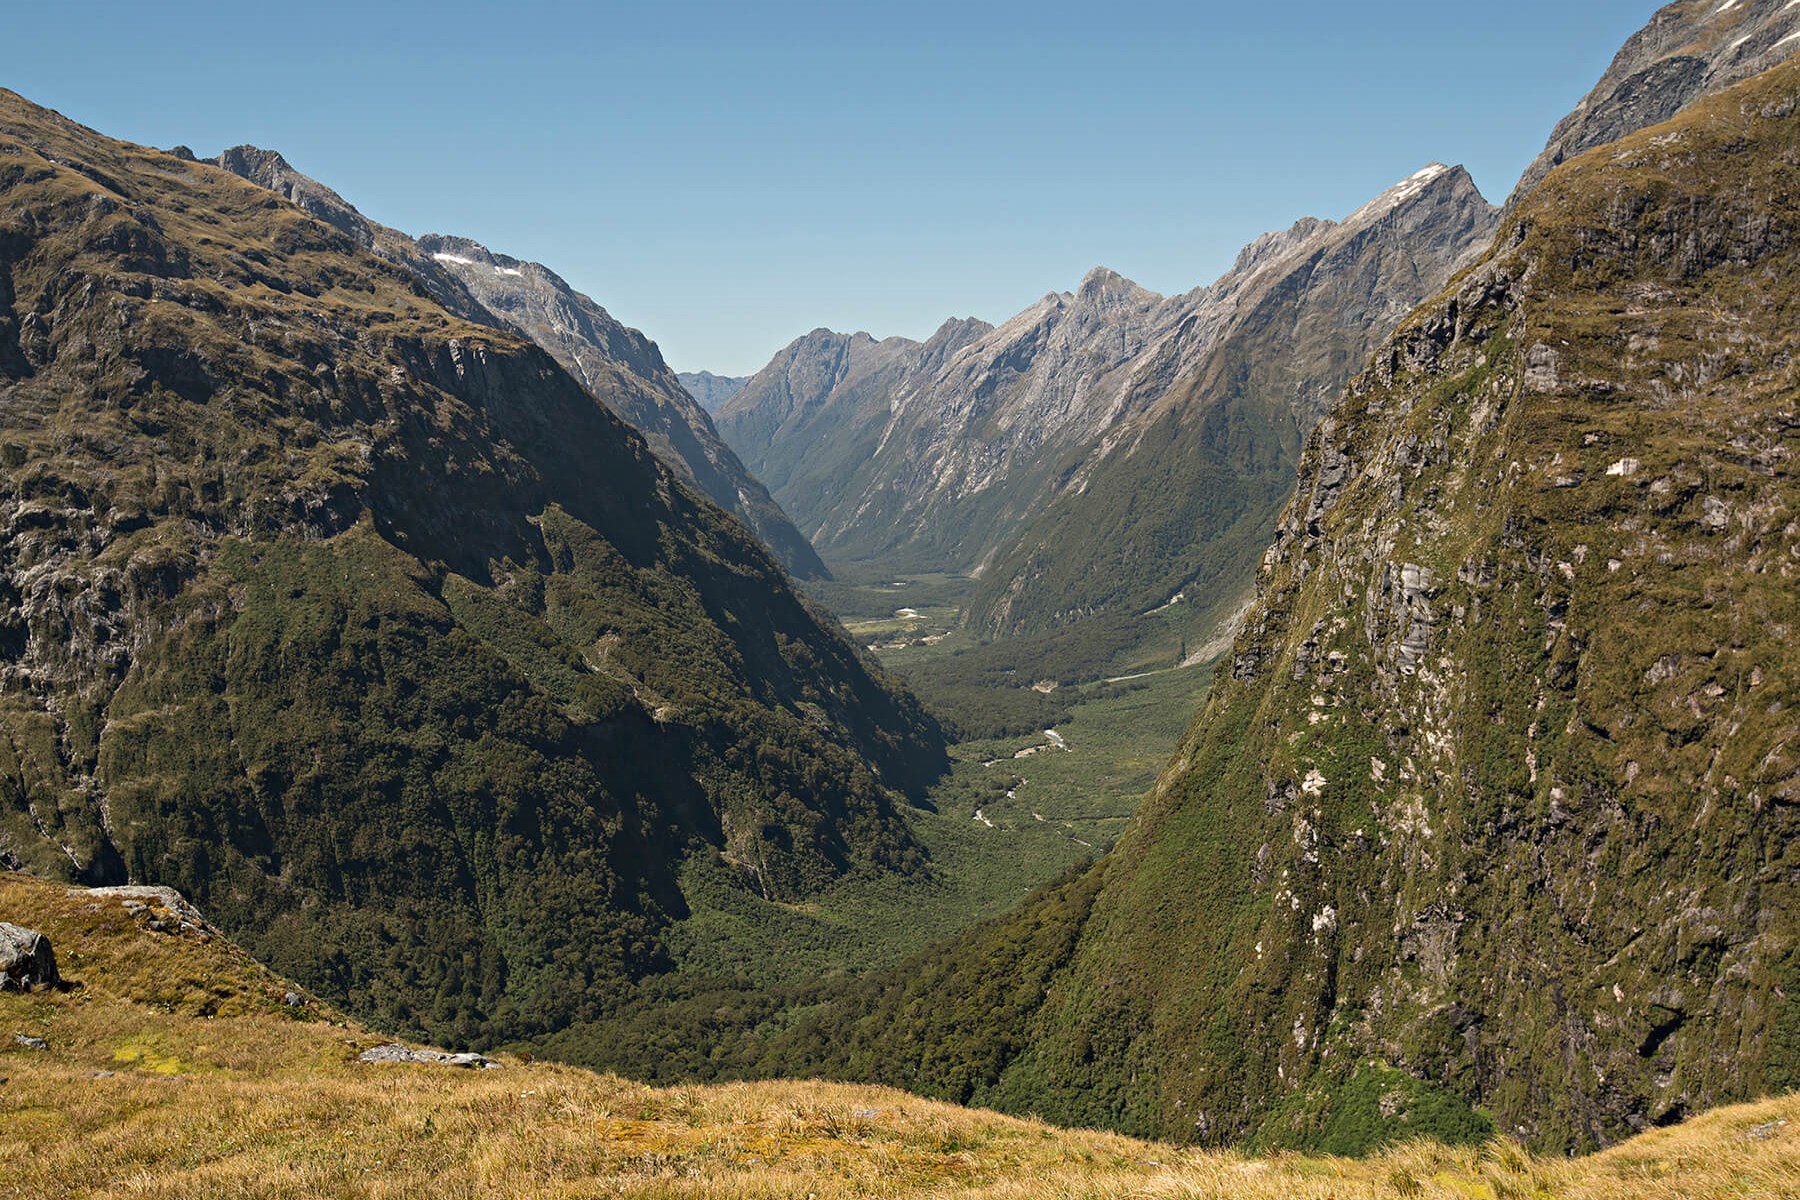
(729, 176)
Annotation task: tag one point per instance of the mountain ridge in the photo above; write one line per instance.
(979, 461)
(495, 289)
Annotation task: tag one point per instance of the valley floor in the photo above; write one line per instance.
(174, 1066)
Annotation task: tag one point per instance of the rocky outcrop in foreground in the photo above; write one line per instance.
(26, 960)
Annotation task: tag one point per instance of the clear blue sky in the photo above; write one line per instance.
(729, 176)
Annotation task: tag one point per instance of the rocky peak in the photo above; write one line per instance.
(1688, 50)
(268, 169)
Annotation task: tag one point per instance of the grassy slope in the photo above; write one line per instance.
(175, 1070)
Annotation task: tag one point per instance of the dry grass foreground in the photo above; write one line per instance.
(176, 1069)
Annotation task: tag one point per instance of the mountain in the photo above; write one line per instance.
(619, 364)
(371, 628)
(1687, 51)
(711, 390)
(1495, 805)
(1107, 447)
(1174, 504)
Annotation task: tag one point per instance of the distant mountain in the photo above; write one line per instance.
(1106, 448)
(619, 363)
(1494, 808)
(711, 390)
(375, 631)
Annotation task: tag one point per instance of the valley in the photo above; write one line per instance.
(1330, 731)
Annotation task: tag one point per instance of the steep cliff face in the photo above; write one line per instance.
(812, 420)
(1108, 447)
(620, 365)
(1173, 504)
(626, 368)
(1497, 800)
(371, 628)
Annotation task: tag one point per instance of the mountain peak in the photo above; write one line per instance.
(1104, 281)
(1426, 179)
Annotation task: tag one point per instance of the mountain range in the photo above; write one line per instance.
(616, 363)
(372, 591)
(1108, 451)
(710, 390)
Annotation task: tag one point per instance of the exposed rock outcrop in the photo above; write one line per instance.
(1107, 447)
(397, 1052)
(26, 960)
(1689, 50)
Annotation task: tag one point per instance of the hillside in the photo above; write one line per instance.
(620, 366)
(373, 630)
(175, 1067)
(1494, 806)
(1109, 448)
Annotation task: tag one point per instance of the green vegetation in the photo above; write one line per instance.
(1497, 792)
(372, 631)
(751, 972)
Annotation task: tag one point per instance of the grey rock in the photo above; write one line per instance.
(293, 999)
(975, 451)
(1765, 1131)
(31, 1043)
(1689, 50)
(163, 908)
(396, 1052)
(26, 960)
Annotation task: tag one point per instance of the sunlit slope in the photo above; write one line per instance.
(176, 1068)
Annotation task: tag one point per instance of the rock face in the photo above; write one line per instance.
(618, 364)
(711, 391)
(1689, 50)
(1496, 803)
(1109, 446)
(370, 628)
(26, 960)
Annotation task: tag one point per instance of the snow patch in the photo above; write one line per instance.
(1399, 194)
(458, 259)
(507, 271)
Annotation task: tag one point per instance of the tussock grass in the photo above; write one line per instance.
(176, 1071)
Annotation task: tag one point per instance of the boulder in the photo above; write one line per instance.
(26, 960)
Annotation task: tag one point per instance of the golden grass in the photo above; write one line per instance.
(176, 1071)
